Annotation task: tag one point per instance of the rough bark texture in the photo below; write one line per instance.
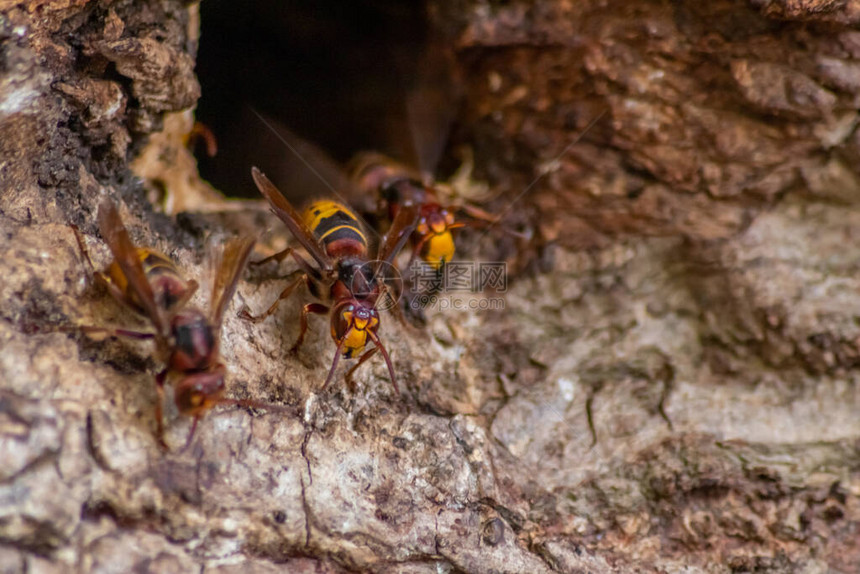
(710, 331)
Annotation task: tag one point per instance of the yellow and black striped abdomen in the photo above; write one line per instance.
(168, 286)
(336, 227)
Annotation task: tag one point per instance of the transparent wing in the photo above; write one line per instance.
(432, 104)
(401, 228)
(291, 218)
(116, 236)
(301, 168)
(227, 261)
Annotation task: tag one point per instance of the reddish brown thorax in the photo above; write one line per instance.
(194, 346)
(195, 356)
(406, 190)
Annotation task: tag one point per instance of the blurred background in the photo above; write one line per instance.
(333, 73)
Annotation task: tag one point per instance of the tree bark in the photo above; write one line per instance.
(678, 392)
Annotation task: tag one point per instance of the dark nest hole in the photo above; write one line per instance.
(334, 73)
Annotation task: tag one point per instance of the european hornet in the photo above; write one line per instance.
(377, 186)
(187, 340)
(373, 174)
(344, 276)
(431, 105)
